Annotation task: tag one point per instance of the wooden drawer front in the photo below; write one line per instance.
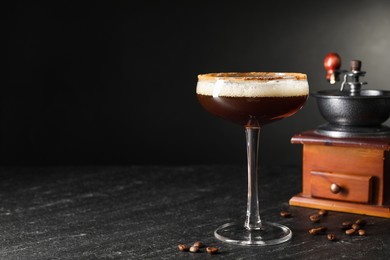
(354, 188)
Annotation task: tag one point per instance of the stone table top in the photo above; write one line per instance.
(144, 212)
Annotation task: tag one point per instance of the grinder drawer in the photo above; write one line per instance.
(341, 186)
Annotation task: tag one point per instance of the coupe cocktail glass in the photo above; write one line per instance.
(252, 100)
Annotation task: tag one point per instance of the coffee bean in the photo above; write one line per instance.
(355, 226)
(362, 232)
(350, 232)
(314, 231)
(323, 229)
(198, 244)
(211, 250)
(317, 230)
(183, 247)
(315, 218)
(346, 225)
(331, 237)
(194, 249)
(322, 212)
(361, 222)
(285, 214)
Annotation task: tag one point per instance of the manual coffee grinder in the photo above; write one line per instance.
(346, 162)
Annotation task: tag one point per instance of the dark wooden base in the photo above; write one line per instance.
(356, 208)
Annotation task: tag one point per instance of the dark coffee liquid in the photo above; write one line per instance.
(252, 111)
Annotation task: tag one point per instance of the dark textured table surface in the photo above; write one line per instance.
(144, 212)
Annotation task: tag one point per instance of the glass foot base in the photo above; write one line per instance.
(269, 234)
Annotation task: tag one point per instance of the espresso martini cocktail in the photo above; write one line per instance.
(252, 100)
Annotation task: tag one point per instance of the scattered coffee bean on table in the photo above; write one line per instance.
(183, 247)
(355, 226)
(362, 232)
(331, 237)
(349, 227)
(346, 225)
(322, 212)
(317, 230)
(360, 222)
(198, 244)
(315, 218)
(285, 214)
(194, 249)
(212, 250)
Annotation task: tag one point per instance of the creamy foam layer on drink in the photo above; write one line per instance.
(252, 85)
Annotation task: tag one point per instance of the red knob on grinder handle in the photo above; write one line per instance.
(332, 63)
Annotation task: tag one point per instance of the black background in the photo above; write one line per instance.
(113, 82)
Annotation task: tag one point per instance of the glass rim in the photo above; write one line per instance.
(255, 76)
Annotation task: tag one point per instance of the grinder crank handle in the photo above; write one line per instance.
(332, 64)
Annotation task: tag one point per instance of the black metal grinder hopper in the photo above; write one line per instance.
(351, 111)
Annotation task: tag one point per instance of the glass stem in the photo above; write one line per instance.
(253, 220)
